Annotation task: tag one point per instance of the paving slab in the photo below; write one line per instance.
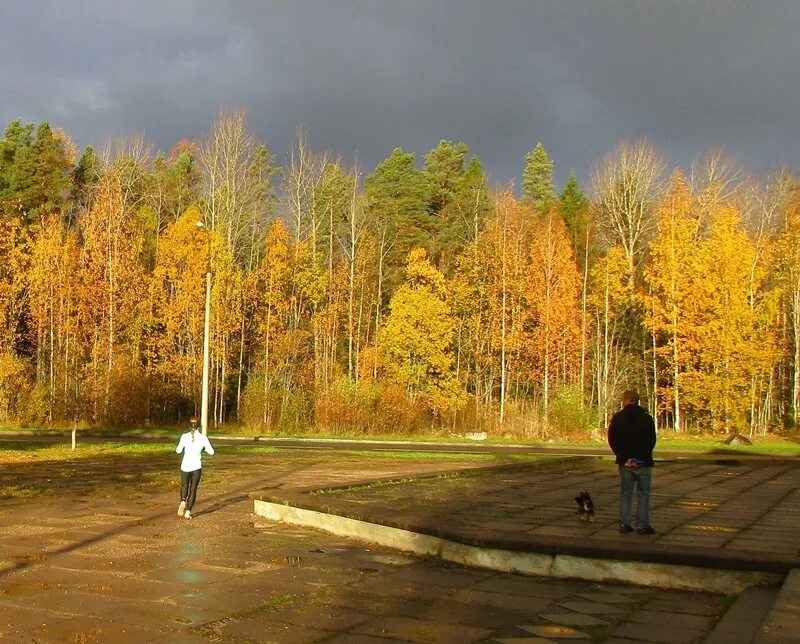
(665, 619)
(782, 623)
(675, 634)
(743, 620)
(421, 630)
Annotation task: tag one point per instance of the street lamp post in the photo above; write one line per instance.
(206, 339)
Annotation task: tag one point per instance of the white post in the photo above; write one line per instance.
(206, 338)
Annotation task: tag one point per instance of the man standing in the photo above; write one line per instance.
(632, 437)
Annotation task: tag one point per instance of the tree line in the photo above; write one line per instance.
(415, 298)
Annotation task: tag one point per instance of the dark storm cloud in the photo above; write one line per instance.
(365, 77)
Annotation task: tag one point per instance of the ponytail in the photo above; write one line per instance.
(193, 423)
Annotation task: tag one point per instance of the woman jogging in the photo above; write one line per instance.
(192, 443)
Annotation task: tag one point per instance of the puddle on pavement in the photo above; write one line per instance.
(394, 560)
(190, 576)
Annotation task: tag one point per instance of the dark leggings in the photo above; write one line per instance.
(189, 482)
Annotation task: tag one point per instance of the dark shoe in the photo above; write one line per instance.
(624, 528)
(647, 530)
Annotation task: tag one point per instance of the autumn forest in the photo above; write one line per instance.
(411, 298)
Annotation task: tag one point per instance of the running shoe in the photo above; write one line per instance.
(181, 508)
(188, 514)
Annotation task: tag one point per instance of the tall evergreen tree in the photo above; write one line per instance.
(537, 179)
(85, 176)
(444, 168)
(39, 176)
(16, 136)
(396, 192)
(574, 207)
(463, 217)
(34, 171)
(450, 185)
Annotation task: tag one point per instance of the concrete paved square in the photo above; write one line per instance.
(103, 560)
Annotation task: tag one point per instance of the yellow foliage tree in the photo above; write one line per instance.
(177, 296)
(668, 276)
(610, 295)
(226, 323)
(112, 285)
(506, 260)
(788, 274)
(271, 292)
(728, 337)
(53, 307)
(14, 279)
(14, 262)
(553, 304)
(418, 336)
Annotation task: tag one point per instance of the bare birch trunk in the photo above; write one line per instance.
(503, 331)
(583, 316)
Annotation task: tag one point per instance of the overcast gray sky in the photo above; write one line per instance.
(367, 76)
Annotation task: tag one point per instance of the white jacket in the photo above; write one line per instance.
(192, 446)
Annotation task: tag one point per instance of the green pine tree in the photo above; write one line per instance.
(574, 207)
(16, 137)
(462, 218)
(36, 172)
(396, 192)
(444, 168)
(537, 179)
(452, 187)
(87, 171)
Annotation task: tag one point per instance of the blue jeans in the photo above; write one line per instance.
(628, 477)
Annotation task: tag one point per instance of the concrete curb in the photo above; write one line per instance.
(558, 565)
(629, 550)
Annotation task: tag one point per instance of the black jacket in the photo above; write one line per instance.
(632, 434)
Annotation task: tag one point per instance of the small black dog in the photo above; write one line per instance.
(585, 506)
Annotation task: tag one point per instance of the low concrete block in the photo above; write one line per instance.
(524, 563)
(527, 563)
(371, 532)
(660, 575)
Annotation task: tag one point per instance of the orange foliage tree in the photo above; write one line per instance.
(553, 305)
